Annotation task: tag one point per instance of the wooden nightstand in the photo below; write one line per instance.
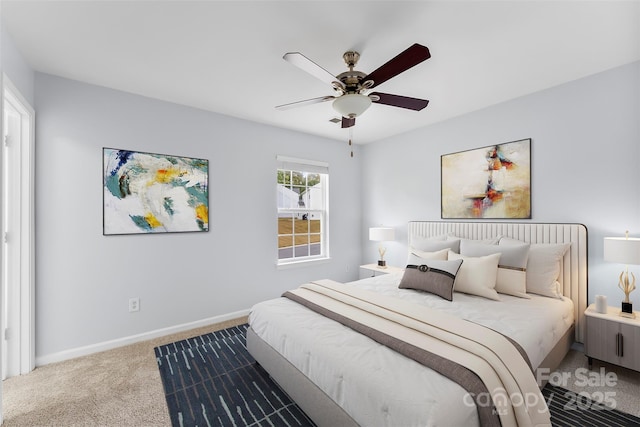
(612, 338)
(372, 270)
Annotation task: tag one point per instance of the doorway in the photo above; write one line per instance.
(18, 219)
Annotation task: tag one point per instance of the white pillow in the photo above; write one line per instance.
(543, 268)
(415, 256)
(512, 268)
(477, 275)
(512, 282)
(430, 245)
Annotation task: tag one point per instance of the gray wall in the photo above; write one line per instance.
(15, 67)
(585, 154)
(84, 279)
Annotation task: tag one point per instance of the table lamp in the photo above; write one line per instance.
(624, 250)
(381, 234)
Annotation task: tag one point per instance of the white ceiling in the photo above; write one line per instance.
(226, 56)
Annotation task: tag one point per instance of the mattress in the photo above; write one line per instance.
(377, 386)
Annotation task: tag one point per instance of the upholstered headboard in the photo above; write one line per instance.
(573, 274)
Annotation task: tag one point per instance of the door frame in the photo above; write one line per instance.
(25, 259)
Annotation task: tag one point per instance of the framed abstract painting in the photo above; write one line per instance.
(487, 182)
(154, 193)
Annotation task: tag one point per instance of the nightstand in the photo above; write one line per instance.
(372, 270)
(612, 338)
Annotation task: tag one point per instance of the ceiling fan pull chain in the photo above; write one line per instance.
(350, 138)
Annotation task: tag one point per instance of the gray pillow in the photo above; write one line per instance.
(512, 267)
(491, 241)
(434, 276)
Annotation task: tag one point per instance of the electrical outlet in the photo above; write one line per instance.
(134, 304)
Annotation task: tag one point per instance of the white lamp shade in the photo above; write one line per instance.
(622, 250)
(381, 234)
(351, 104)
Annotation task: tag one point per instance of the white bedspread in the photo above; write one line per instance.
(377, 386)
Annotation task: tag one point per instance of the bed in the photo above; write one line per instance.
(341, 377)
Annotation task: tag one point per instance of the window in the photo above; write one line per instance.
(302, 210)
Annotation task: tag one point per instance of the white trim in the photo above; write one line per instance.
(120, 342)
(322, 213)
(26, 231)
(302, 263)
(2, 77)
(285, 160)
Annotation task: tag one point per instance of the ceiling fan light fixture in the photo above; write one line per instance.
(351, 104)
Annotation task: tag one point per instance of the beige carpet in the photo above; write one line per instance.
(604, 382)
(122, 387)
(119, 387)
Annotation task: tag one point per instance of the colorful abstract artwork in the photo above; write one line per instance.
(488, 182)
(154, 193)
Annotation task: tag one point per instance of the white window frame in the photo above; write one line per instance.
(310, 166)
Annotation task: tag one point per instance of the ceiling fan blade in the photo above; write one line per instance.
(305, 102)
(347, 122)
(400, 101)
(402, 62)
(305, 64)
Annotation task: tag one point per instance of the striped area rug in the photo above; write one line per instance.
(212, 380)
(570, 409)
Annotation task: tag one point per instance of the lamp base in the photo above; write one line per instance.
(627, 310)
(382, 264)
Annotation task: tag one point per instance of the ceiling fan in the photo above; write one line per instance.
(352, 86)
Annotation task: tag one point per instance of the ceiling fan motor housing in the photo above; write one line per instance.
(352, 79)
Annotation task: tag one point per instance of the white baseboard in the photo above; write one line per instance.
(108, 345)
